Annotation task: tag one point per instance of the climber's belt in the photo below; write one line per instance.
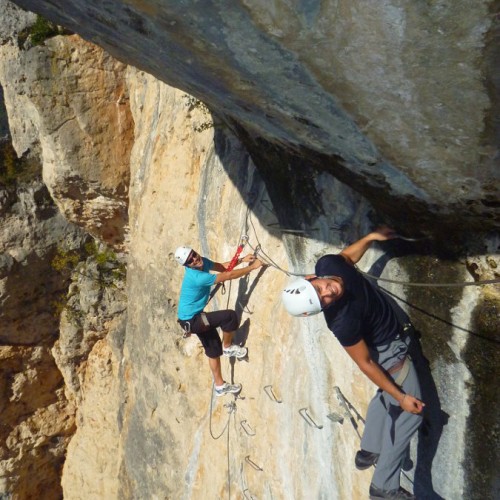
(403, 366)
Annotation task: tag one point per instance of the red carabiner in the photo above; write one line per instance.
(234, 260)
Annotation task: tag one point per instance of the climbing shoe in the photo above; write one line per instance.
(365, 459)
(227, 389)
(400, 494)
(235, 350)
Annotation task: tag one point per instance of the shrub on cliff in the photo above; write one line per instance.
(38, 32)
(96, 264)
(14, 169)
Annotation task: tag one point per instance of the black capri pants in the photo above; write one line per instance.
(226, 320)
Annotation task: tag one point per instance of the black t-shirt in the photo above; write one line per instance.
(362, 312)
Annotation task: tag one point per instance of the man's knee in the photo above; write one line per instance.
(211, 343)
(213, 352)
(230, 322)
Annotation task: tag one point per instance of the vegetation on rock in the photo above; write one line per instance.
(13, 169)
(38, 32)
(97, 263)
(193, 103)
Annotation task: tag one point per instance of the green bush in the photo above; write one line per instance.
(41, 30)
(65, 260)
(110, 272)
(37, 33)
(109, 268)
(14, 169)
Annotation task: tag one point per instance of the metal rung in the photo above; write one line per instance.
(248, 495)
(268, 389)
(246, 427)
(252, 464)
(308, 418)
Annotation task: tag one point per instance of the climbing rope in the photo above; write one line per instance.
(231, 409)
(410, 283)
(232, 405)
(269, 262)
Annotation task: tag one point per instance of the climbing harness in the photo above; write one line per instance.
(404, 368)
(186, 325)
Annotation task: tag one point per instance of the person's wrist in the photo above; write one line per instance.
(402, 400)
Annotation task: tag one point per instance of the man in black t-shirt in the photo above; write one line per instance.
(364, 322)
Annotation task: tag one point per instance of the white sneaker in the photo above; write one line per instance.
(235, 350)
(227, 389)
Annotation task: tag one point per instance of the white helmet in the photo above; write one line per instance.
(301, 299)
(182, 254)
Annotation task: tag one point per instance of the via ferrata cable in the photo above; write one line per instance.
(262, 255)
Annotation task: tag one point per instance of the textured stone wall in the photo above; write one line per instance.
(66, 100)
(40, 395)
(37, 421)
(146, 423)
(398, 99)
(201, 188)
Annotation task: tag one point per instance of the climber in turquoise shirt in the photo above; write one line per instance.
(195, 293)
(195, 290)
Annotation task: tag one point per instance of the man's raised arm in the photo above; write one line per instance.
(354, 252)
(237, 273)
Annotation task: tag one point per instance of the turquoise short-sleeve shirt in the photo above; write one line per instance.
(195, 290)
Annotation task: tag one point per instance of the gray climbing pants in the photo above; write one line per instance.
(389, 429)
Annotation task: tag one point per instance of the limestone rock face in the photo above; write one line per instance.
(14, 20)
(30, 231)
(95, 305)
(81, 129)
(38, 399)
(37, 421)
(396, 99)
(147, 422)
(202, 189)
(88, 353)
